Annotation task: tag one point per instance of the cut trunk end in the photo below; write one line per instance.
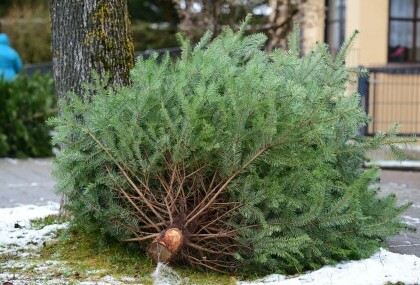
(165, 247)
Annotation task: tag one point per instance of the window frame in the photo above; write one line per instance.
(414, 20)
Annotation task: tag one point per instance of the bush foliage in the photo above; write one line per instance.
(25, 105)
(255, 157)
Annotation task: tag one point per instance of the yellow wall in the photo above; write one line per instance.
(353, 24)
(313, 23)
(370, 18)
(393, 97)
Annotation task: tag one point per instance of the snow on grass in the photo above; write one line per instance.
(23, 214)
(17, 237)
(19, 242)
(381, 268)
(16, 232)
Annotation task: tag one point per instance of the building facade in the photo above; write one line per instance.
(389, 29)
(388, 44)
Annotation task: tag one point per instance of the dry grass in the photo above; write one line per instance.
(28, 27)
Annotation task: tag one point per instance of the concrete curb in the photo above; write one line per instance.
(412, 165)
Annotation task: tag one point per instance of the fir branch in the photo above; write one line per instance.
(146, 201)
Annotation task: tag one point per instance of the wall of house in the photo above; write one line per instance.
(393, 97)
(370, 18)
(313, 24)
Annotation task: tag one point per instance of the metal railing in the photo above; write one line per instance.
(392, 95)
(389, 94)
(46, 67)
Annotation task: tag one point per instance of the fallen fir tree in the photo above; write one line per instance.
(227, 158)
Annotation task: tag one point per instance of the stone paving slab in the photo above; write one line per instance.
(30, 182)
(26, 181)
(406, 185)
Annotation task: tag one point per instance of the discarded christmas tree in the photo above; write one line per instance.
(227, 158)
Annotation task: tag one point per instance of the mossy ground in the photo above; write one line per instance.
(76, 257)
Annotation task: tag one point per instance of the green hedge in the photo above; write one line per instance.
(25, 104)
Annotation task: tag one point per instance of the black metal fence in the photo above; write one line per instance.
(47, 66)
(392, 95)
(389, 94)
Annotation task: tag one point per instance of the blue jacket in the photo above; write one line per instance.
(10, 62)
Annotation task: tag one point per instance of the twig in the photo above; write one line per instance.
(223, 187)
(146, 201)
(142, 238)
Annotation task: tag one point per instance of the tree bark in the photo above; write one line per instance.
(87, 36)
(90, 35)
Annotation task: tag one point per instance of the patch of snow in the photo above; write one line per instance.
(16, 232)
(8, 276)
(51, 273)
(95, 272)
(104, 281)
(411, 221)
(381, 268)
(128, 279)
(48, 272)
(43, 268)
(10, 216)
(16, 235)
(107, 280)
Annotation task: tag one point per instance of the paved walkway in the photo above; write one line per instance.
(26, 182)
(29, 182)
(406, 185)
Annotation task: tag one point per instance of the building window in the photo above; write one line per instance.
(404, 31)
(335, 24)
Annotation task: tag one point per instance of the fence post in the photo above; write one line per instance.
(363, 90)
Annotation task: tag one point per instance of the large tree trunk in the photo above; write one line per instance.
(90, 35)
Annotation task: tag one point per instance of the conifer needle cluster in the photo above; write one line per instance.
(227, 158)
